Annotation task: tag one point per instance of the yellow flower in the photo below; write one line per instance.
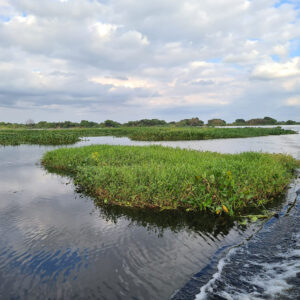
(225, 208)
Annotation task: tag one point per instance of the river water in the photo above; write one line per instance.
(56, 244)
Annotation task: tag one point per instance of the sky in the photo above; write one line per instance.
(131, 59)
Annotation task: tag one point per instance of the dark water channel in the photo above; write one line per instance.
(56, 244)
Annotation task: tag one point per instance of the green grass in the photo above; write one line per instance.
(170, 178)
(204, 133)
(38, 137)
(71, 136)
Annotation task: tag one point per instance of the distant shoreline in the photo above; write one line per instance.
(71, 136)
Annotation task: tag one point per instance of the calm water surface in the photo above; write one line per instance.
(56, 244)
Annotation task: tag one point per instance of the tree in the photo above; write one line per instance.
(42, 124)
(87, 124)
(257, 121)
(290, 122)
(264, 121)
(190, 122)
(111, 123)
(216, 122)
(240, 122)
(270, 121)
(29, 123)
(146, 122)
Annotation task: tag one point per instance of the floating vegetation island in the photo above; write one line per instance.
(167, 178)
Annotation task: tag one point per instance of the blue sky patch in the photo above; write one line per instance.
(292, 2)
(4, 18)
(295, 48)
(275, 58)
(214, 60)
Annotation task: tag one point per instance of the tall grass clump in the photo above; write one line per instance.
(170, 178)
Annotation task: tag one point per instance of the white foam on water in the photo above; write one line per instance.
(208, 287)
(272, 279)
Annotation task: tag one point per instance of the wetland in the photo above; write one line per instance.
(58, 242)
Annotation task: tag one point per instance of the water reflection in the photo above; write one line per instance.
(176, 221)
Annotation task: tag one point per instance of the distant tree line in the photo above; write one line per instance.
(264, 121)
(145, 123)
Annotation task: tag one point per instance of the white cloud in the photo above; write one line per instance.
(131, 83)
(293, 101)
(281, 50)
(126, 59)
(104, 30)
(273, 70)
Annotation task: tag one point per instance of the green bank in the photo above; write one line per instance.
(167, 178)
(71, 136)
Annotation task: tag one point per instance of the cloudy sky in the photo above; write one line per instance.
(133, 59)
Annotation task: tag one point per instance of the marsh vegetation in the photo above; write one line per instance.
(167, 178)
(71, 136)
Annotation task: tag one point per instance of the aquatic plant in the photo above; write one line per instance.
(170, 178)
(71, 136)
(205, 133)
(39, 137)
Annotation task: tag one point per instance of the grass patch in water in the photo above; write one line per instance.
(168, 178)
(204, 133)
(71, 136)
(38, 137)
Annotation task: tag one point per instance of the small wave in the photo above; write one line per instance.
(272, 281)
(209, 286)
(265, 267)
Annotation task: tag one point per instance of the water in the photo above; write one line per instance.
(265, 267)
(288, 144)
(56, 244)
